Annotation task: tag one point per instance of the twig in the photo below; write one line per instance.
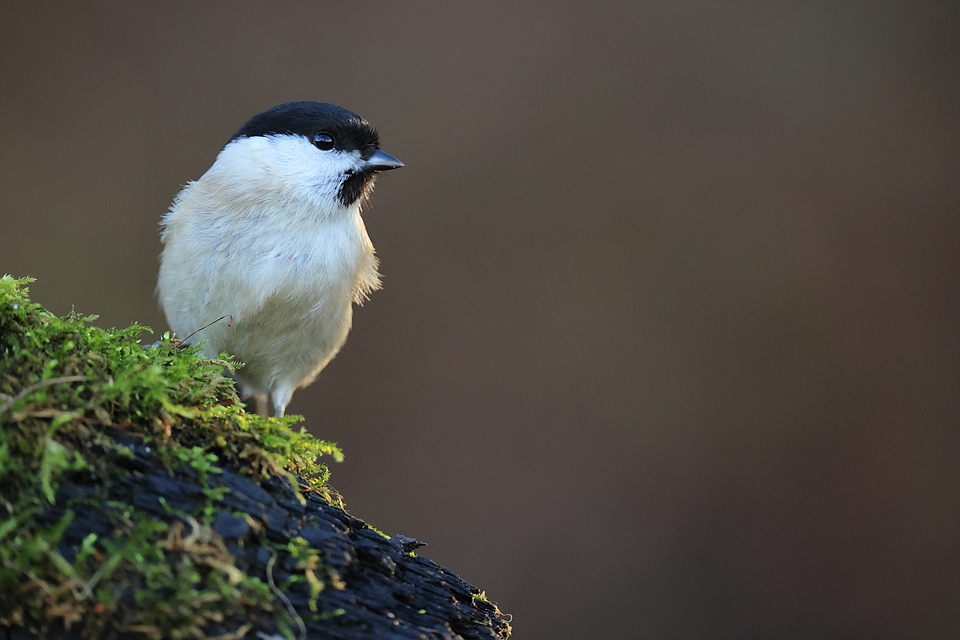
(283, 596)
(229, 324)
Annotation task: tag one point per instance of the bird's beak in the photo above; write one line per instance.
(381, 161)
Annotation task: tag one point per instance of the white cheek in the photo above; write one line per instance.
(287, 163)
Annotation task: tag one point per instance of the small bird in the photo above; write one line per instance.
(271, 236)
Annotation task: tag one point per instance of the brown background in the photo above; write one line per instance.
(669, 345)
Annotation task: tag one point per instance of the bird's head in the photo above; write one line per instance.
(311, 150)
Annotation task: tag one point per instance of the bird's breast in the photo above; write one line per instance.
(326, 260)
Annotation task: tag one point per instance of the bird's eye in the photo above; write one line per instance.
(323, 141)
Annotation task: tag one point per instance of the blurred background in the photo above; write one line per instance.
(669, 340)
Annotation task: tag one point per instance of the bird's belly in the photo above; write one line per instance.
(288, 341)
(289, 297)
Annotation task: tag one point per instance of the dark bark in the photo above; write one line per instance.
(388, 592)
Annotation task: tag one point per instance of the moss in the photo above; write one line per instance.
(67, 389)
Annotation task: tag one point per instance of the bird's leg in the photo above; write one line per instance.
(260, 400)
(280, 397)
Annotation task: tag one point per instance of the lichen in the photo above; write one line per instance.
(67, 389)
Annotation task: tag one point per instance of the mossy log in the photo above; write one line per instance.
(139, 500)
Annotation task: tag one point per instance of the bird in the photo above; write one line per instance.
(271, 237)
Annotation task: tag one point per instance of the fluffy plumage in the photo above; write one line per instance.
(272, 235)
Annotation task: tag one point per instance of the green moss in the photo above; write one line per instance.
(65, 388)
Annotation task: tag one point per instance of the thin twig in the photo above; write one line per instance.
(229, 324)
(283, 596)
(39, 385)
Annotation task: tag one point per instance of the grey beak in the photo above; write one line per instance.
(381, 161)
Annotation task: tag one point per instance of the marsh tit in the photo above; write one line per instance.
(271, 237)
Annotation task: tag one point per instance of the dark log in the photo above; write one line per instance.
(139, 500)
(388, 592)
